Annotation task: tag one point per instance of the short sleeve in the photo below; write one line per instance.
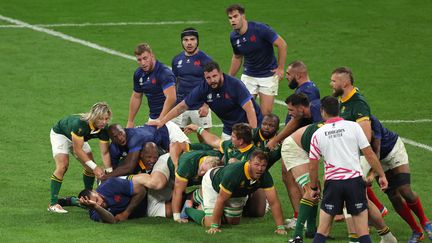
(196, 96)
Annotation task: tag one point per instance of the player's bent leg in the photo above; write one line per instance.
(256, 204)
(294, 192)
(62, 164)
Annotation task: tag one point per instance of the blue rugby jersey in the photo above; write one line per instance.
(226, 102)
(153, 84)
(117, 194)
(135, 140)
(256, 46)
(189, 71)
(388, 138)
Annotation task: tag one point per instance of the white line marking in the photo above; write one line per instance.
(416, 144)
(116, 53)
(109, 24)
(407, 121)
(67, 37)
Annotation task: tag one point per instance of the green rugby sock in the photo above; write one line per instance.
(311, 220)
(55, 189)
(305, 209)
(196, 215)
(88, 180)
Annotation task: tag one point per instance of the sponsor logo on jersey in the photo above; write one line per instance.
(180, 64)
(188, 60)
(210, 98)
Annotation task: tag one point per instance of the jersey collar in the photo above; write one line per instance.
(92, 128)
(242, 150)
(350, 94)
(201, 160)
(334, 119)
(260, 135)
(246, 171)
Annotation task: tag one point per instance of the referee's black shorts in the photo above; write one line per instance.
(352, 192)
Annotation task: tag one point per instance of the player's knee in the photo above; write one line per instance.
(407, 193)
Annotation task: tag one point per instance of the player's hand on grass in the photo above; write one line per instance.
(213, 231)
(190, 128)
(122, 216)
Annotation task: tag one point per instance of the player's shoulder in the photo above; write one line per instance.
(177, 57)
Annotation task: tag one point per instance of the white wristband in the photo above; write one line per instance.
(176, 216)
(91, 164)
(109, 170)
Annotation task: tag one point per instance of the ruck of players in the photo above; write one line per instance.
(176, 166)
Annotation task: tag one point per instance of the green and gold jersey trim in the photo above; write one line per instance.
(242, 150)
(73, 135)
(246, 171)
(269, 188)
(261, 136)
(364, 118)
(181, 178)
(224, 189)
(349, 96)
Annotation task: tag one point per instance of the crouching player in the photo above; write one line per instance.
(191, 168)
(390, 148)
(225, 190)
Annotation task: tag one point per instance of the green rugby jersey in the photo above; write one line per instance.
(234, 179)
(227, 148)
(354, 107)
(260, 142)
(189, 164)
(73, 125)
(307, 135)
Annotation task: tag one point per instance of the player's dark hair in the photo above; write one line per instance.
(85, 193)
(344, 70)
(273, 116)
(141, 48)
(243, 131)
(330, 105)
(297, 99)
(259, 154)
(234, 7)
(210, 66)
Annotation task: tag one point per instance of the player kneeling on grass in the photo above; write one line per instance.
(225, 190)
